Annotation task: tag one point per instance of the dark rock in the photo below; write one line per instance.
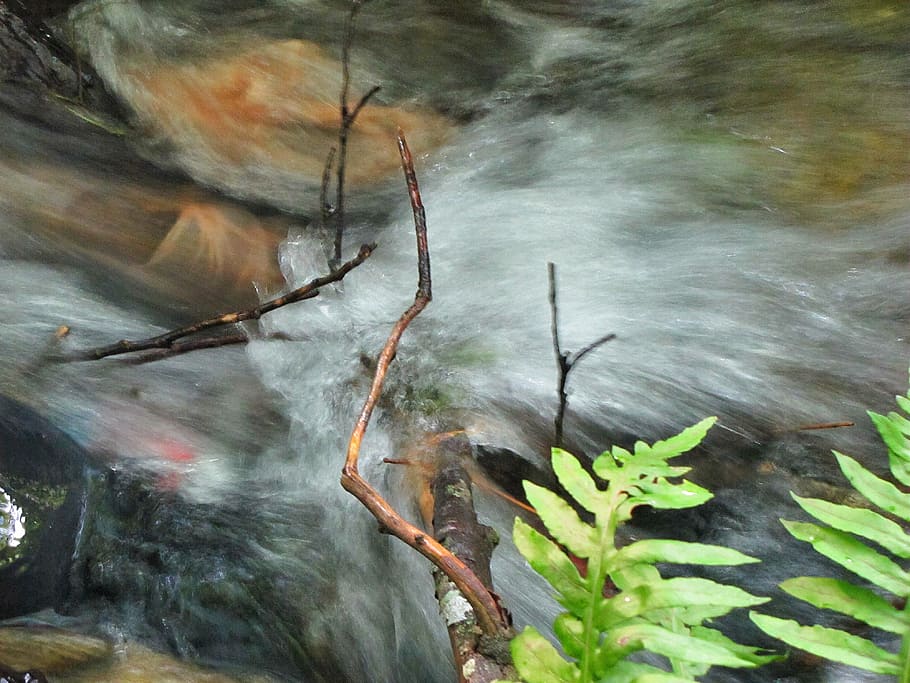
(7, 676)
(41, 504)
(509, 469)
(32, 54)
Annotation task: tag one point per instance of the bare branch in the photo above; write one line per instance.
(424, 285)
(825, 425)
(325, 209)
(565, 360)
(362, 103)
(490, 616)
(578, 355)
(168, 339)
(180, 347)
(554, 310)
(348, 116)
(562, 359)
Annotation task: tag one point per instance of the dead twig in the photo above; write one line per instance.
(212, 342)
(168, 343)
(348, 116)
(825, 425)
(179, 347)
(325, 209)
(489, 615)
(168, 339)
(565, 359)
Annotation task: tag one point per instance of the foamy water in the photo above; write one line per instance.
(688, 212)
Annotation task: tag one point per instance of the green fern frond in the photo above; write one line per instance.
(663, 616)
(840, 541)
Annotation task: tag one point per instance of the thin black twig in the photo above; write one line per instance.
(578, 355)
(168, 339)
(180, 347)
(348, 116)
(212, 342)
(325, 209)
(565, 360)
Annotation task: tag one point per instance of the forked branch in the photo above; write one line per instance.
(565, 360)
(348, 117)
(170, 343)
(490, 616)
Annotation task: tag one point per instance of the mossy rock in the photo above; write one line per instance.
(833, 141)
(50, 650)
(814, 103)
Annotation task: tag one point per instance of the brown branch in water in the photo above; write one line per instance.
(491, 618)
(348, 116)
(811, 427)
(824, 425)
(424, 281)
(499, 493)
(565, 360)
(168, 339)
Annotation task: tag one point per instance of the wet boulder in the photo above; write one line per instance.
(32, 54)
(256, 120)
(41, 503)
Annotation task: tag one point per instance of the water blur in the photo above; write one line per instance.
(723, 186)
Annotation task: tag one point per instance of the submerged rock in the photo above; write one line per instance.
(136, 664)
(253, 116)
(274, 104)
(82, 197)
(33, 55)
(49, 650)
(72, 657)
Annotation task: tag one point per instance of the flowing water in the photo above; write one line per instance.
(724, 186)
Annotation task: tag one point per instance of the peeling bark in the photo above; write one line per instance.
(478, 658)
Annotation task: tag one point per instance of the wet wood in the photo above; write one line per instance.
(478, 659)
(489, 614)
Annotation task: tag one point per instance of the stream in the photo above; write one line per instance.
(723, 185)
